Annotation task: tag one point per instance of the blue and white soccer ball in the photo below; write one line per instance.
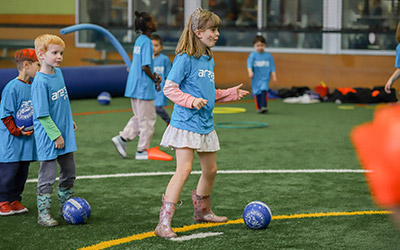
(76, 211)
(257, 215)
(104, 98)
(24, 116)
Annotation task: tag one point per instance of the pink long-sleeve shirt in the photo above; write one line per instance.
(172, 91)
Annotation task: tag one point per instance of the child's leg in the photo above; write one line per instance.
(163, 114)
(147, 117)
(201, 196)
(131, 130)
(184, 160)
(208, 163)
(20, 179)
(46, 179)
(7, 177)
(67, 178)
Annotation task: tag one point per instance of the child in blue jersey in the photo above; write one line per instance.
(141, 86)
(190, 85)
(17, 147)
(396, 73)
(54, 128)
(261, 67)
(162, 66)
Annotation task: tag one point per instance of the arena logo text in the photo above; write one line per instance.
(261, 64)
(60, 93)
(206, 73)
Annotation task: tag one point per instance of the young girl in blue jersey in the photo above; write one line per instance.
(162, 66)
(54, 128)
(140, 87)
(396, 73)
(190, 85)
(17, 147)
(260, 67)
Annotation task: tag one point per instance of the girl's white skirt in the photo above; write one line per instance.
(179, 138)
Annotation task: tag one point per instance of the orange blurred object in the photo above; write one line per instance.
(377, 145)
(158, 155)
(322, 89)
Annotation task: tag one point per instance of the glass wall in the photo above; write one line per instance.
(369, 24)
(301, 26)
(118, 18)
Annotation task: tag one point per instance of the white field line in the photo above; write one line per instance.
(267, 171)
(196, 236)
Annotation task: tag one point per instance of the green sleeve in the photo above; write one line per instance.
(50, 127)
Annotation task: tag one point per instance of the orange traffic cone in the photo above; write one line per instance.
(158, 155)
(377, 145)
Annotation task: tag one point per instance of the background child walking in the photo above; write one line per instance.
(17, 147)
(140, 88)
(162, 66)
(261, 67)
(190, 85)
(54, 127)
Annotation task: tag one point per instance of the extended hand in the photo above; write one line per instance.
(241, 92)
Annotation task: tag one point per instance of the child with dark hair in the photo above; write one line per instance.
(140, 87)
(17, 147)
(162, 66)
(261, 67)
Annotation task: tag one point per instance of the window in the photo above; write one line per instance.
(284, 23)
(116, 17)
(369, 24)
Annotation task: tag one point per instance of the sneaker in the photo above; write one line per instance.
(120, 145)
(141, 155)
(18, 208)
(5, 208)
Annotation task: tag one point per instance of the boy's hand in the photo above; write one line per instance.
(75, 127)
(198, 103)
(157, 81)
(59, 142)
(27, 133)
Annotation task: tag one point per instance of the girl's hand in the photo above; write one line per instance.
(59, 142)
(75, 127)
(241, 92)
(198, 103)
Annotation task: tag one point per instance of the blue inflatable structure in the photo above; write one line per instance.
(84, 82)
(88, 81)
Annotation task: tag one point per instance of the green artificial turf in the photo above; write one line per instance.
(299, 136)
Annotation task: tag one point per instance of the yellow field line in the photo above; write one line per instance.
(141, 236)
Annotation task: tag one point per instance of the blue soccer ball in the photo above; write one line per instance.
(24, 116)
(104, 98)
(76, 211)
(257, 215)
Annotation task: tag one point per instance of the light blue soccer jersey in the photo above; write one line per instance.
(15, 95)
(195, 77)
(397, 64)
(50, 98)
(162, 66)
(262, 65)
(139, 85)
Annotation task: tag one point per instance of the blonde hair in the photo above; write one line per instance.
(189, 43)
(398, 33)
(42, 42)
